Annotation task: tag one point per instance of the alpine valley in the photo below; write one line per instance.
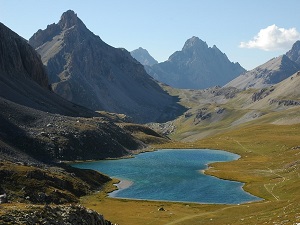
(66, 96)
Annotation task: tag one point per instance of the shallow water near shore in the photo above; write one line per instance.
(173, 175)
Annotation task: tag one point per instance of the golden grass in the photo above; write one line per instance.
(269, 165)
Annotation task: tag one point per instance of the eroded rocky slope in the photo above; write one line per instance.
(271, 72)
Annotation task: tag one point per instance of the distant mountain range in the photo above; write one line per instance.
(87, 71)
(143, 56)
(196, 66)
(271, 72)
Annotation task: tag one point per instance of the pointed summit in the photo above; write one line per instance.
(143, 56)
(87, 71)
(194, 42)
(197, 66)
(69, 19)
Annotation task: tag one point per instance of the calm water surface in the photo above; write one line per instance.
(173, 175)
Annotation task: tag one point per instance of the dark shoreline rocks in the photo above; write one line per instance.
(55, 215)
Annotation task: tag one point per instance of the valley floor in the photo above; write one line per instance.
(269, 165)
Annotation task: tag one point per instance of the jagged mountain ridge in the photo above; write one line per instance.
(143, 56)
(85, 70)
(196, 66)
(271, 72)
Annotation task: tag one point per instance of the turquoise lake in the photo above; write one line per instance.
(173, 175)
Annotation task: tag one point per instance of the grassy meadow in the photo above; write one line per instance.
(269, 166)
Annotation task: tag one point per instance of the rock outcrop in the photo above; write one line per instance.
(262, 93)
(87, 71)
(3, 198)
(196, 66)
(56, 215)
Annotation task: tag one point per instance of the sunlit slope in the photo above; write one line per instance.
(216, 110)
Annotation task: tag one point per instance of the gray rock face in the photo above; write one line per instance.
(85, 70)
(271, 72)
(196, 66)
(262, 93)
(143, 56)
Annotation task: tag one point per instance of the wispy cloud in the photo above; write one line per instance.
(273, 38)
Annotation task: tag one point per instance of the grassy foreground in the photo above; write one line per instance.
(269, 165)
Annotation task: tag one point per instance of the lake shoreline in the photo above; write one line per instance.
(121, 185)
(126, 183)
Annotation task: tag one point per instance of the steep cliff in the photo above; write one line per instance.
(18, 58)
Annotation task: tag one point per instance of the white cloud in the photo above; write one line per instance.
(273, 38)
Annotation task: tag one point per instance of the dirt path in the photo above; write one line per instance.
(271, 171)
(274, 184)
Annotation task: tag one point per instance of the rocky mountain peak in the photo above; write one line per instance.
(197, 66)
(143, 56)
(69, 19)
(87, 71)
(142, 50)
(194, 42)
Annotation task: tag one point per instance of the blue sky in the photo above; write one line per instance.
(267, 28)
